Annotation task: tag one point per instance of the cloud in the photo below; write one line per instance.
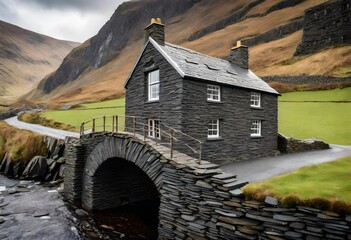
(94, 5)
(75, 20)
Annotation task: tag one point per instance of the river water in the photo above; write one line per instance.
(29, 210)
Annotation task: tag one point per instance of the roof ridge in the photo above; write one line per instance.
(192, 51)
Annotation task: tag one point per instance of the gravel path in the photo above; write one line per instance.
(263, 168)
(55, 133)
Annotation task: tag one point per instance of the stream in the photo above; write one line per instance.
(32, 210)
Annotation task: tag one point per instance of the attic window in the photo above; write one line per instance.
(231, 72)
(211, 67)
(191, 61)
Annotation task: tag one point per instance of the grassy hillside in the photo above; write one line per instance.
(271, 58)
(25, 58)
(328, 121)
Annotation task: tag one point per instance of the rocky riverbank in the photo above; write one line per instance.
(29, 210)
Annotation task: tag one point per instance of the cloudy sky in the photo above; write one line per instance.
(75, 20)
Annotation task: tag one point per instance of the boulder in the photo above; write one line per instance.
(36, 168)
(9, 168)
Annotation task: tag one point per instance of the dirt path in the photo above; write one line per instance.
(55, 133)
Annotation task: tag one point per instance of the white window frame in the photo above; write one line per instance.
(255, 99)
(154, 128)
(213, 93)
(153, 82)
(213, 128)
(256, 128)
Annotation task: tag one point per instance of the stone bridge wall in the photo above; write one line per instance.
(199, 201)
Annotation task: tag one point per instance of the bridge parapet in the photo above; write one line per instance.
(172, 138)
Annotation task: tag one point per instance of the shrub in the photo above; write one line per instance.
(36, 118)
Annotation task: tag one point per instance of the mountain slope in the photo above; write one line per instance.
(25, 58)
(272, 29)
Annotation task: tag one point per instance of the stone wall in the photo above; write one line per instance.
(291, 145)
(235, 115)
(306, 79)
(42, 168)
(199, 201)
(326, 25)
(274, 34)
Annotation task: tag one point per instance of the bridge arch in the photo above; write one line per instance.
(120, 159)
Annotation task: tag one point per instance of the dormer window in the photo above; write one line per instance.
(213, 93)
(153, 85)
(255, 99)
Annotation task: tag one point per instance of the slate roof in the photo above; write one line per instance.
(192, 64)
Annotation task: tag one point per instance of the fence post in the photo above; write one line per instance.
(116, 123)
(93, 125)
(104, 123)
(82, 129)
(113, 124)
(145, 130)
(171, 142)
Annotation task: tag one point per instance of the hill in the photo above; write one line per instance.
(25, 58)
(272, 28)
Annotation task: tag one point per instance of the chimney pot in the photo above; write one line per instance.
(239, 55)
(156, 31)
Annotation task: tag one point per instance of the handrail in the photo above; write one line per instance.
(111, 124)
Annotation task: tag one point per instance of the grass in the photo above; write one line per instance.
(76, 117)
(326, 186)
(36, 118)
(20, 145)
(331, 95)
(327, 121)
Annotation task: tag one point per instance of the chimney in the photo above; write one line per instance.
(156, 30)
(239, 55)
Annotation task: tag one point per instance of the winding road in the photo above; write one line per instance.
(51, 132)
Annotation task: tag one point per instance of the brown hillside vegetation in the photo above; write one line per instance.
(20, 145)
(272, 58)
(25, 58)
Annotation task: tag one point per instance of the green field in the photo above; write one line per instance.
(305, 184)
(299, 117)
(328, 95)
(328, 121)
(76, 117)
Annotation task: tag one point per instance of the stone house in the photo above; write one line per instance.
(219, 102)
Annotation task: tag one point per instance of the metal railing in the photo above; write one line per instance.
(168, 136)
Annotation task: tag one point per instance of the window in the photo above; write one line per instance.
(213, 129)
(213, 93)
(154, 128)
(256, 128)
(255, 99)
(153, 85)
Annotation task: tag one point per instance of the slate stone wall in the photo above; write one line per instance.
(306, 79)
(168, 108)
(199, 201)
(292, 145)
(235, 115)
(326, 25)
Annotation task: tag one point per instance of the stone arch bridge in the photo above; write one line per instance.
(107, 170)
